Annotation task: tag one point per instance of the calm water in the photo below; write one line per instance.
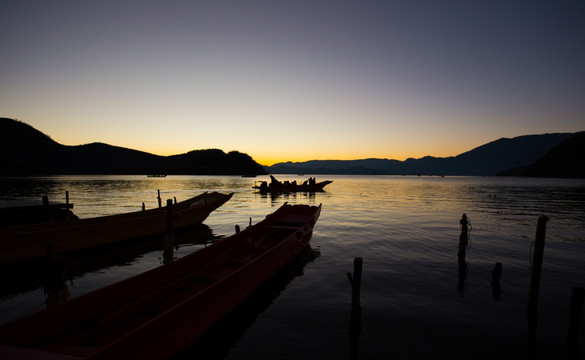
(406, 229)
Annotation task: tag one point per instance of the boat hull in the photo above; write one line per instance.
(20, 243)
(158, 313)
(293, 188)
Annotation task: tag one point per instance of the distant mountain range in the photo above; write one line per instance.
(548, 155)
(27, 151)
(565, 160)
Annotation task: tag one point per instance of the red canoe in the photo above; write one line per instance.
(21, 243)
(158, 313)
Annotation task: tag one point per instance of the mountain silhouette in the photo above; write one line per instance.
(565, 160)
(27, 151)
(486, 160)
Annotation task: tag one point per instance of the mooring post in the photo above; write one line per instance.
(159, 199)
(356, 283)
(237, 228)
(169, 236)
(577, 300)
(536, 270)
(463, 237)
(143, 207)
(67, 199)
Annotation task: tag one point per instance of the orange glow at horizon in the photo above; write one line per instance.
(174, 78)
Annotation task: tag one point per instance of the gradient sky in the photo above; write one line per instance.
(294, 80)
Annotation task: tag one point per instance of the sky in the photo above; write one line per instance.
(294, 80)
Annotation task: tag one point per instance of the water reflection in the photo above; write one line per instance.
(395, 223)
(462, 276)
(51, 275)
(291, 197)
(54, 277)
(495, 281)
(29, 190)
(216, 343)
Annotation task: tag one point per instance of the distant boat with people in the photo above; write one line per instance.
(275, 186)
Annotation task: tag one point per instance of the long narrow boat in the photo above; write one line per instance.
(264, 187)
(156, 314)
(19, 243)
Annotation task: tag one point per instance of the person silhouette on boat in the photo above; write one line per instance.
(274, 182)
(263, 186)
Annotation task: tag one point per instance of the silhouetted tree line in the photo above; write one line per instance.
(27, 151)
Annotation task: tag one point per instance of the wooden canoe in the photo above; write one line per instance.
(19, 243)
(156, 314)
(284, 188)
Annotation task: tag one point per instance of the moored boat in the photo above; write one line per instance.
(276, 186)
(19, 243)
(156, 314)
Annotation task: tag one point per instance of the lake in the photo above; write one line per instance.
(416, 299)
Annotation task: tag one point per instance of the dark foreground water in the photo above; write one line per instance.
(415, 301)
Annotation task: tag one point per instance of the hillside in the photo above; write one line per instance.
(565, 160)
(27, 151)
(486, 160)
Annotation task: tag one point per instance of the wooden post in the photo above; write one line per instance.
(577, 300)
(237, 228)
(143, 207)
(169, 236)
(463, 237)
(355, 325)
(174, 197)
(536, 271)
(159, 199)
(67, 199)
(356, 282)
